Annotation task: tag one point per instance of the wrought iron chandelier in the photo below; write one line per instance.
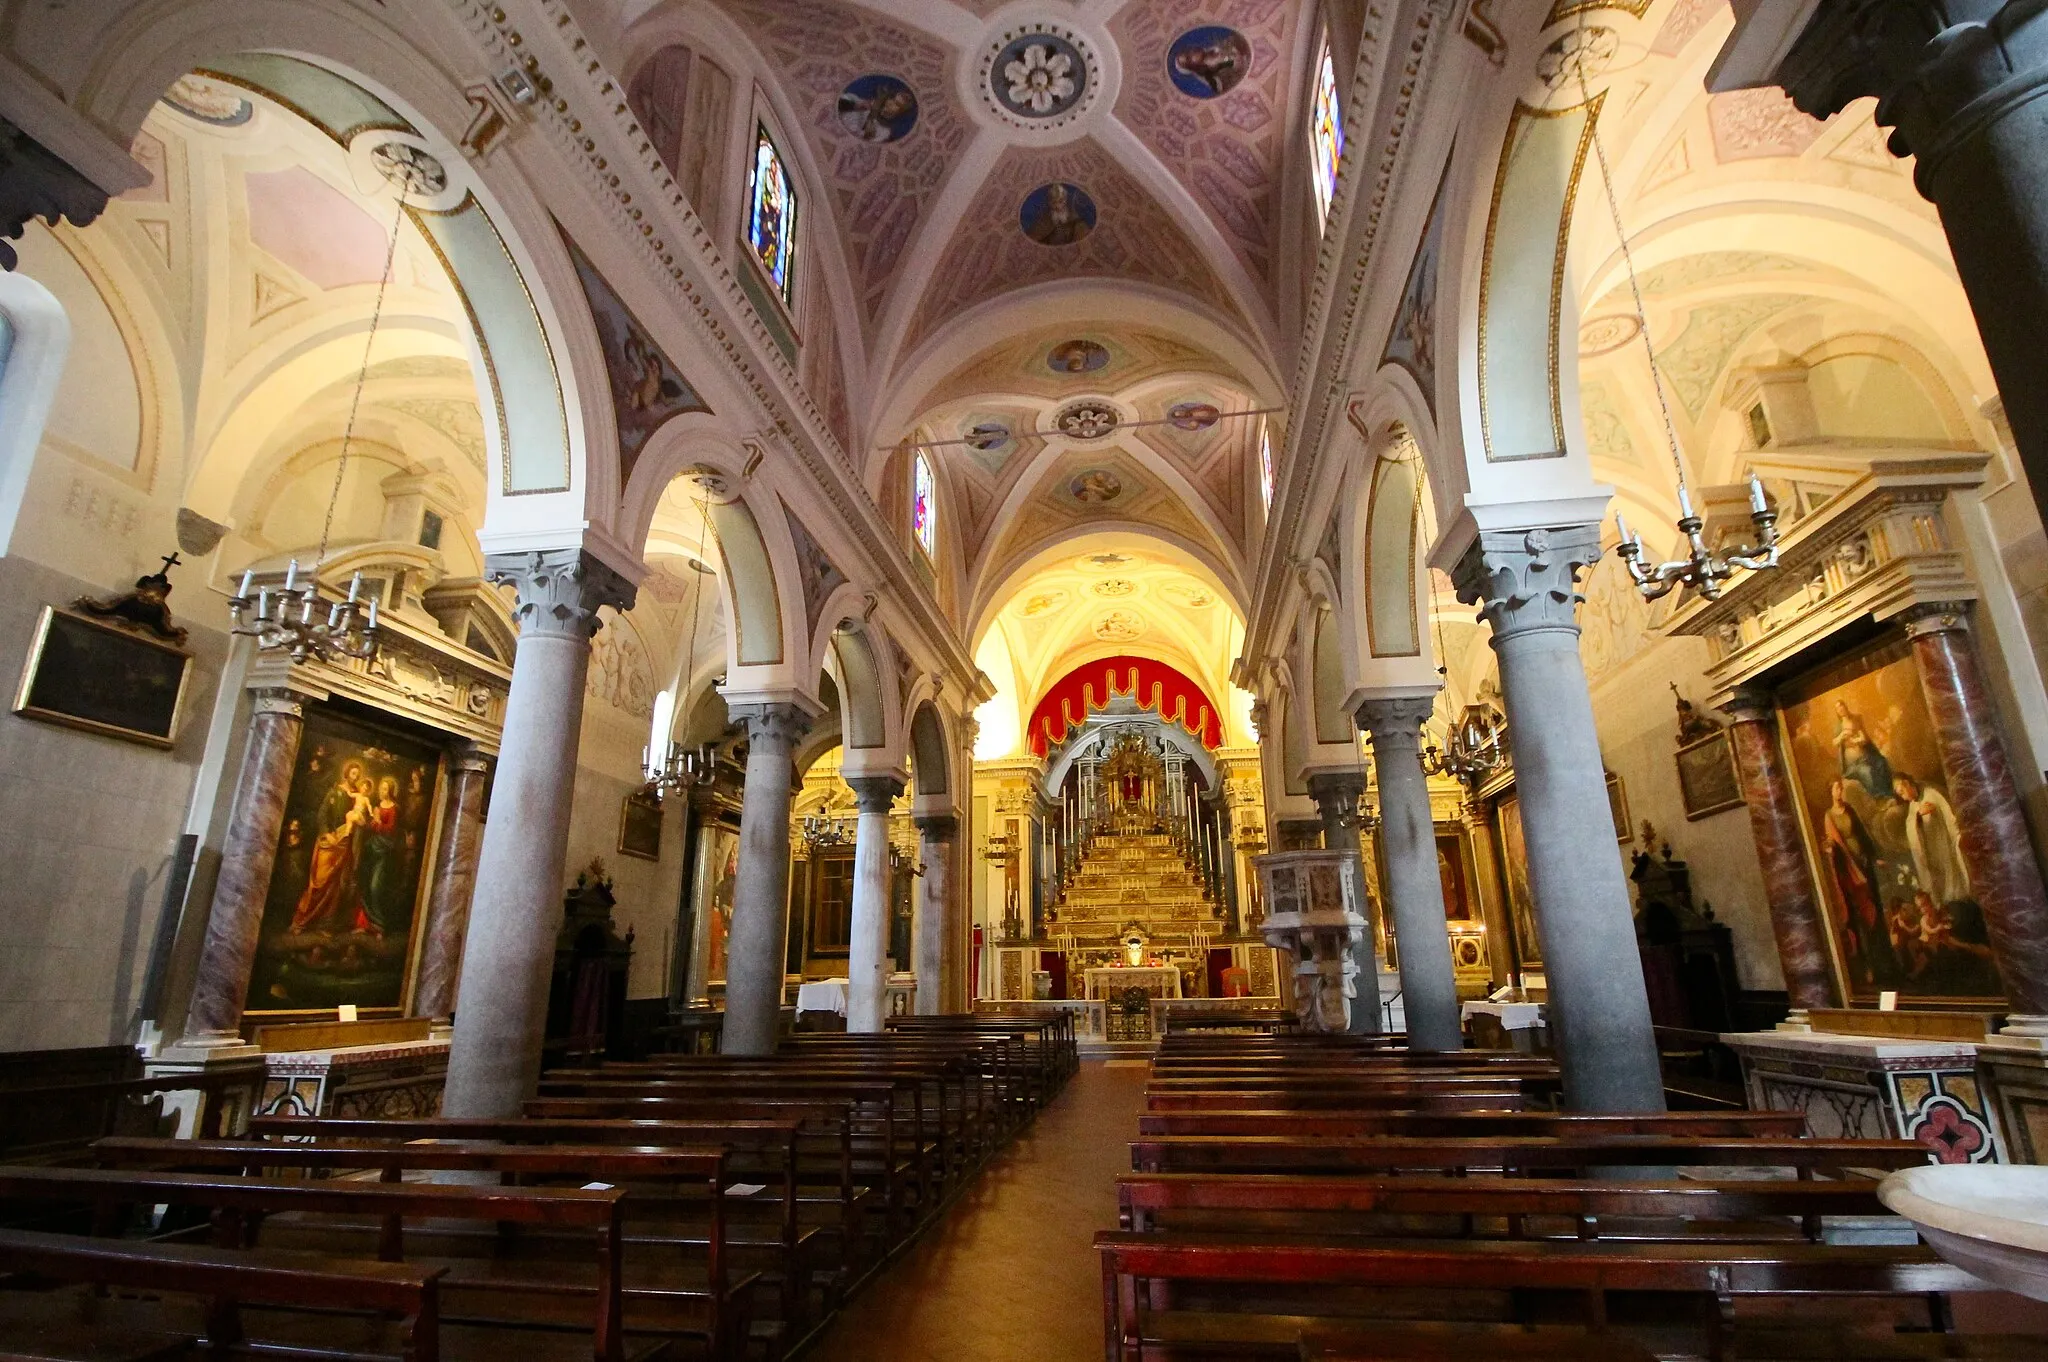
(1703, 569)
(294, 618)
(675, 767)
(1474, 747)
(823, 832)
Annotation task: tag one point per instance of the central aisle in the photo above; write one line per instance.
(1010, 1274)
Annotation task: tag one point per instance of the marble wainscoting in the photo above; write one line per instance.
(374, 1082)
(1868, 1088)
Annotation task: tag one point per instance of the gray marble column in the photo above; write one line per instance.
(1336, 794)
(760, 897)
(867, 955)
(277, 720)
(1415, 890)
(516, 909)
(1525, 584)
(1960, 83)
(455, 861)
(938, 918)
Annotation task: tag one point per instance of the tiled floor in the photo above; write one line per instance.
(1010, 1275)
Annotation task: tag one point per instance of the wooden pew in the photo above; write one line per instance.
(223, 1281)
(759, 1151)
(713, 1307)
(1356, 1124)
(1283, 1283)
(1550, 1154)
(1391, 1096)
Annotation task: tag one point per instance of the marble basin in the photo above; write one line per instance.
(1991, 1220)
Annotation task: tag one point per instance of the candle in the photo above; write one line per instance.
(291, 575)
(1757, 504)
(1621, 527)
(1684, 502)
(355, 587)
(248, 578)
(373, 612)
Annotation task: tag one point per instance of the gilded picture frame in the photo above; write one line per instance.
(87, 674)
(1707, 780)
(640, 826)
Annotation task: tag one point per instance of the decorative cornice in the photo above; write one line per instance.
(1338, 295)
(686, 254)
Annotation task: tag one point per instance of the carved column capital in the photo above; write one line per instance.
(1936, 617)
(37, 183)
(875, 794)
(1396, 720)
(1526, 581)
(774, 724)
(560, 590)
(469, 760)
(277, 701)
(937, 827)
(1940, 69)
(1751, 705)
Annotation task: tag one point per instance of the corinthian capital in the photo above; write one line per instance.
(560, 590)
(776, 725)
(1527, 580)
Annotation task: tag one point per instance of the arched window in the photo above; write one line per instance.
(772, 214)
(1265, 464)
(924, 519)
(1325, 135)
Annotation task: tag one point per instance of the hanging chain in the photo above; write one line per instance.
(348, 431)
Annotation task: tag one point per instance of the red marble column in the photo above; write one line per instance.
(455, 857)
(1780, 851)
(1998, 850)
(249, 853)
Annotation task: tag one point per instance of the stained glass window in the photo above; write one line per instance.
(771, 214)
(1266, 464)
(924, 521)
(1325, 135)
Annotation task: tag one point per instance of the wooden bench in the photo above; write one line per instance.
(569, 1247)
(1553, 1154)
(1355, 1124)
(1392, 1096)
(1155, 1303)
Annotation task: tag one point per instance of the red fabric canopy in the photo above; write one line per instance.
(1156, 685)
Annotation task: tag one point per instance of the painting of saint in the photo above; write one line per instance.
(720, 871)
(339, 921)
(877, 108)
(1514, 859)
(1885, 838)
(647, 388)
(1077, 357)
(1057, 214)
(1209, 61)
(1096, 487)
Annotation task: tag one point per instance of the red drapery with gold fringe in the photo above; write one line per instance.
(1156, 686)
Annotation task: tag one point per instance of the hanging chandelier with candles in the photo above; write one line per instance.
(294, 618)
(1474, 747)
(672, 766)
(1704, 569)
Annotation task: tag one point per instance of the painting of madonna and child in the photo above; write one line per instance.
(1886, 842)
(351, 860)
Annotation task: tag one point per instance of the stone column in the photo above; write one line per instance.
(1336, 794)
(1524, 583)
(509, 951)
(1415, 891)
(938, 920)
(867, 956)
(755, 948)
(1998, 852)
(1780, 851)
(1958, 80)
(277, 719)
(455, 859)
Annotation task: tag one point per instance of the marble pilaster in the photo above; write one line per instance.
(455, 862)
(1415, 888)
(760, 898)
(938, 920)
(1959, 82)
(277, 720)
(1525, 584)
(1780, 851)
(1337, 794)
(1998, 851)
(867, 956)
(509, 949)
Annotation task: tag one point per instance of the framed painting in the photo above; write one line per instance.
(718, 869)
(86, 674)
(1706, 776)
(1617, 807)
(1450, 868)
(1514, 862)
(640, 826)
(342, 920)
(1883, 839)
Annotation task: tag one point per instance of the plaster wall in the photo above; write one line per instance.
(91, 825)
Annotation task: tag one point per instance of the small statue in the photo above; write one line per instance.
(1692, 724)
(147, 607)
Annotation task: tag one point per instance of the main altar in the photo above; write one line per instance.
(1115, 982)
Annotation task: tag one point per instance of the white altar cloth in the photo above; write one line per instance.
(822, 995)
